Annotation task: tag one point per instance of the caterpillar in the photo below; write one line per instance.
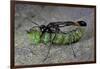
(61, 38)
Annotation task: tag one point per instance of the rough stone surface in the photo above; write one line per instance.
(29, 54)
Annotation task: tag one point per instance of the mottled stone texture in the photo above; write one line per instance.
(27, 53)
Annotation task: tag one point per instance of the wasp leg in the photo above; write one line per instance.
(49, 47)
(73, 51)
(70, 46)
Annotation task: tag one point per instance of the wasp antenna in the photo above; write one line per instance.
(32, 21)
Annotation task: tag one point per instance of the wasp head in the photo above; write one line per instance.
(42, 27)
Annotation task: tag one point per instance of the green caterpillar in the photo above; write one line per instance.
(56, 38)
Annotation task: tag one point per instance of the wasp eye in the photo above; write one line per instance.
(82, 23)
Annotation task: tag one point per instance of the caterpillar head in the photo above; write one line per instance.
(82, 23)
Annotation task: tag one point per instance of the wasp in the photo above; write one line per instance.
(52, 33)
